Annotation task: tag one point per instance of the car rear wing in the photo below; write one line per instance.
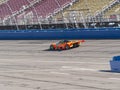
(82, 41)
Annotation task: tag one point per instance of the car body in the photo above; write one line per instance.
(66, 44)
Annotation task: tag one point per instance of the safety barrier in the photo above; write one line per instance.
(91, 33)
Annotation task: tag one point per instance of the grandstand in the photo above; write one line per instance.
(92, 8)
(27, 12)
(2, 1)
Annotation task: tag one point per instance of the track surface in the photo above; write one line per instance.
(29, 65)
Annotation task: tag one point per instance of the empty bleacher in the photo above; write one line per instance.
(11, 6)
(2, 1)
(48, 7)
(42, 9)
(36, 10)
(115, 10)
(89, 7)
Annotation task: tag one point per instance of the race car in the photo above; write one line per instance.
(66, 44)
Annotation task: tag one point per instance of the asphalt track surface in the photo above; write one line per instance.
(29, 65)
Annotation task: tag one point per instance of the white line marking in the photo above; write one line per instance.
(60, 73)
(77, 68)
(76, 62)
(114, 78)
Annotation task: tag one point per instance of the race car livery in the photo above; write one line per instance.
(66, 44)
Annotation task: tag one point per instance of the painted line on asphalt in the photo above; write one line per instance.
(76, 68)
(75, 62)
(115, 78)
(60, 73)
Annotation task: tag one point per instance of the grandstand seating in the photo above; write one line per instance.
(11, 6)
(58, 8)
(114, 10)
(92, 5)
(43, 8)
(47, 7)
(15, 6)
(2, 1)
(90, 8)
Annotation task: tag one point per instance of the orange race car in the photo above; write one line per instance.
(65, 44)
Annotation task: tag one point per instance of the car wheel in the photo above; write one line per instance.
(51, 47)
(67, 47)
(75, 45)
(60, 49)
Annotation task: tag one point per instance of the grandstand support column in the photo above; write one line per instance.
(89, 11)
(36, 15)
(24, 22)
(61, 12)
(83, 20)
(12, 15)
(75, 20)
(70, 12)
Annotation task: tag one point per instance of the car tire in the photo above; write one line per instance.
(75, 45)
(60, 49)
(51, 47)
(67, 47)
